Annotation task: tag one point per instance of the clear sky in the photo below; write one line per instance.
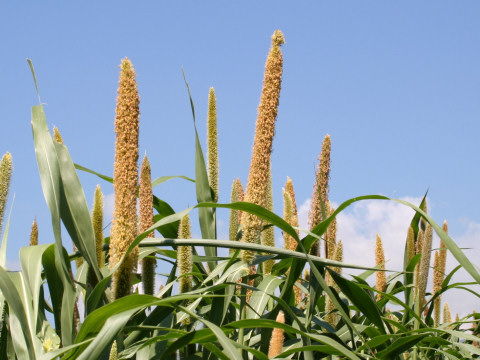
(395, 84)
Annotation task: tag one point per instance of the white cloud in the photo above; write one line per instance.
(359, 224)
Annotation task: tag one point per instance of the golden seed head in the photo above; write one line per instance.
(56, 136)
(276, 342)
(289, 188)
(34, 234)
(319, 197)
(212, 143)
(145, 195)
(6, 166)
(443, 251)
(426, 249)
(447, 316)
(437, 285)
(381, 284)
(184, 256)
(268, 235)
(262, 146)
(289, 214)
(338, 256)
(234, 214)
(331, 235)
(125, 180)
(113, 351)
(97, 221)
(410, 244)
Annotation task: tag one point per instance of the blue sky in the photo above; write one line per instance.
(395, 84)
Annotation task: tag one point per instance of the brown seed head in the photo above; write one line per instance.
(212, 143)
(268, 235)
(125, 180)
(97, 221)
(262, 146)
(381, 284)
(276, 342)
(6, 166)
(145, 195)
(320, 190)
(34, 234)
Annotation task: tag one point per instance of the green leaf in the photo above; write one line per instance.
(400, 345)
(360, 299)
(204, 192)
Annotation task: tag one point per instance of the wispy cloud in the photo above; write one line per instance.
(359, 224)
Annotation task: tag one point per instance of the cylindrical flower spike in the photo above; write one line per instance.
(184, 256)
(184, 261)
(34, 234)
(113, 351)
(6, 166)
(331, 238)
(145, 195)
(262, 146)
(381, 283)
(276, 342)
(290, 213)
(437, 285)
(410, 244)
(320, 192)
(425, 262)
(97, 221)
(447, 315)
(268, 235)
(288, 242)
(125, 180)
(212, 143)
(236, 195)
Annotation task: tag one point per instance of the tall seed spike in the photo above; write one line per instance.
(125, 180)
(234, 223)
(381, 283)
(145, 194)
(447, 315)
(6, 166)
(338, 256)
(97, 221)
(184, 261)
(240, 197)
(184, 256)
(443, 251)
(410, 244)
(212, 143)
(262, 146)
(320, 190)
(437, 285)
(268, 235)
(331, 238)
(34, 234)
(276, 342)
(425, 261)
